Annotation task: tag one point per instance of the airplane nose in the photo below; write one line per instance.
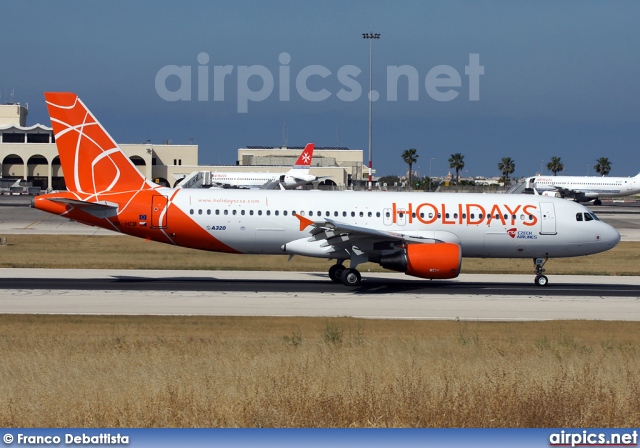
(608, 235)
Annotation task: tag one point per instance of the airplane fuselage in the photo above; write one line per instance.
(243, 179)
(262, 222)
(257, 180)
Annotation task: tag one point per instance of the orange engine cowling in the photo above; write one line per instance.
(433, 261)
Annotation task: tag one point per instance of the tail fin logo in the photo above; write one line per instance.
(304, 161)
(92, 162)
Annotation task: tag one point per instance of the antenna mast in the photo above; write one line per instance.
(285, 137)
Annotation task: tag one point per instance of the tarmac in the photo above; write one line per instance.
(471, 297)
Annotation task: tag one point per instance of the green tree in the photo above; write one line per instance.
(555, 165)
(603, 166)
(410, 156)
(424, 182)
(506, 167)
(389, 180)
(456, 161)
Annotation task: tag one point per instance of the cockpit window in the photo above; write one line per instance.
(595, 216)
(578, 216)
(588, 217)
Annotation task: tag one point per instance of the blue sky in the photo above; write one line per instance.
(560, 78)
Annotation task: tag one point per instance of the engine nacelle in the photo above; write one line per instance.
(433, 261)
(553, 194)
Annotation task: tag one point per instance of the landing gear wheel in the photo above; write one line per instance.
(335, 272)
(541, 280)
(350, 277)
(597, 202)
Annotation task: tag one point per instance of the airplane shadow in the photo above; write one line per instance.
(322, 284)
(377, 286)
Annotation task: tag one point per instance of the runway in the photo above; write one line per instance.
(235, 293)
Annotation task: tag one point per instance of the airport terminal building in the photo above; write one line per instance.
(29, 153)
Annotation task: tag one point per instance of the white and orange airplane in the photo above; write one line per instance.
(421, 234)
(295, 177)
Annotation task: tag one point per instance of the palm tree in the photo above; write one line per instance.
(603, 166)
(555, 165)
(456, 161)
(506, 167)
(410, 156)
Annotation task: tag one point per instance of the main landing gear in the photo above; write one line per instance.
(335, 272)
(348, 277)
(597, 202)
(541, 280)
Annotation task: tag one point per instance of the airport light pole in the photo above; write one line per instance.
(370, 36)
(430, 172)
(541, 162)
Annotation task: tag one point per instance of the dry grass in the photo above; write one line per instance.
(123, 252)
(83, 371)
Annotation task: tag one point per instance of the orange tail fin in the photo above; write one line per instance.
(92, 162)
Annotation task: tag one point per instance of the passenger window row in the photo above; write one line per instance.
(277, 213)
(362, 214)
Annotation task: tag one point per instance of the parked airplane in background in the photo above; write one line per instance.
(584, 188)
(295, 177)
(421, 234)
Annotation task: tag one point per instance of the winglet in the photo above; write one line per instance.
(304, 222)
(304, 161)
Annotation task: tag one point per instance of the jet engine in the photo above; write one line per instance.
(433, 261)
(553, 194)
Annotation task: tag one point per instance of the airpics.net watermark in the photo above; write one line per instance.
(256, 83)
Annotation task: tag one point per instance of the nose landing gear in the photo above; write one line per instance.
(540, 280)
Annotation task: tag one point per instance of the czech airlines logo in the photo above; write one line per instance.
(521, 234)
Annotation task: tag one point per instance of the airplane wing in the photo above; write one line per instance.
(302, 179)
(561, 191)
(342, 235)
(566, 191)
(573, 193)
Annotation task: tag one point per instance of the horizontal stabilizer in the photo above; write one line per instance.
(98, 209)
